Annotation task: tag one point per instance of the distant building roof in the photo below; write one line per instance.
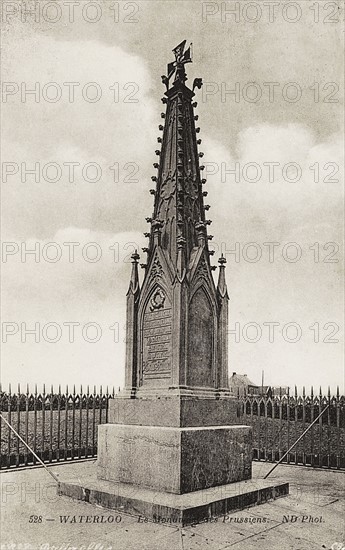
(241, 380)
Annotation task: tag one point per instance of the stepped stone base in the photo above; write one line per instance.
(170, 508)
(182, 473)
(175, 460)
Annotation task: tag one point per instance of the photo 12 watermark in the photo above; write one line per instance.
(70, 11)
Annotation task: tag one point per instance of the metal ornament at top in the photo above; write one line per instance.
(176, 68)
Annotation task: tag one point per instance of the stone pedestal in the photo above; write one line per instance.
(174, 460)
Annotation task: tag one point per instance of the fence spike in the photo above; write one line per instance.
(35, 390)
(59, 389)
(296, 393)
(113, 393)
(9, 388)
(312, 392)
(303, 392)
(44, 389)
(81, 390)
(67, 391)
(27, 389)
(94, 390)
(0, 387)
(329, 392)
(51, 389)
(107, 392)
(338, 394)
(18, 389)
(87, 390)
(119, 389)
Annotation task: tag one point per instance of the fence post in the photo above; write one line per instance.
(266, 428)
(329, 428)
(65, 454)
(93, 420)
(296, 423)
(273, 428)
(51, 424)
(18, 426)
(320, 430)
(59, 423)
(35, 424)
(43, 422)
(87, 422)
(106, 405)
(338, 428)
(312, 458)
(80, 420)
(73, 421)
(26, 423)
(288, 424)
(9, 433)
(100, 405)
(303, 423)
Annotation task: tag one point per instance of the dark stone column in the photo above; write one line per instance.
(133, 295)
(223, 301)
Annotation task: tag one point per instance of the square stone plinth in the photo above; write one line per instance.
(179, 412)
(168, 508)
(174, 460)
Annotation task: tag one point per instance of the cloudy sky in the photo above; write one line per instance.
(271, 118)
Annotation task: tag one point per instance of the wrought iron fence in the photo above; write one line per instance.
(62, 426)
(279, 420)
(57, 426)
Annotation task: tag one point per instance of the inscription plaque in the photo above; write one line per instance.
(156, 342)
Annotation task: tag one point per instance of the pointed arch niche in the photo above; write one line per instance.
(201, 338)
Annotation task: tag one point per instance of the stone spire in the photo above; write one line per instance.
(179, 195)
(177, 323)
(134, 288)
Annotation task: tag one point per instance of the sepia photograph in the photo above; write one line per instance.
(172, 275)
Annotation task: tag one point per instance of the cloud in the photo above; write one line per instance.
(115, 134)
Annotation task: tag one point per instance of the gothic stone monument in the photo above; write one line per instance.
(172, 447)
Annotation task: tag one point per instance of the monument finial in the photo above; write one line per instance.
(182, 57)
(221, 286)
